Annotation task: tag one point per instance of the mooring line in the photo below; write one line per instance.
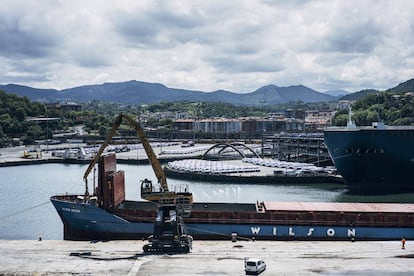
(25, 210)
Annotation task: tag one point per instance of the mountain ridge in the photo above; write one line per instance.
(140, 92)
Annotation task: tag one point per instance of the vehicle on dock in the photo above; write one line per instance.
(254, 266)
(32, 153)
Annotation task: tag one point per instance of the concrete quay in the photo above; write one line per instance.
(49, 257)
(12, 156)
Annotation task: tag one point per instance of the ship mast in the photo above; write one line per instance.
(350, 123)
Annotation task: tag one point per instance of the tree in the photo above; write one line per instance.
(102, 131)
(20, 114)
(340, 120)
(34, 132)
(392, 109)
(2, 138)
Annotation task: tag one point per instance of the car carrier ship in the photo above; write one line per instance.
(107, 215)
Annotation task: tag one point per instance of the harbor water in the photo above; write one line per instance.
(26, 212)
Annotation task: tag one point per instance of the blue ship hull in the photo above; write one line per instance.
(83, 221)
(373, 159)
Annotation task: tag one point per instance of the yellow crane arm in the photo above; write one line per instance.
(155, 163)
(159, 173)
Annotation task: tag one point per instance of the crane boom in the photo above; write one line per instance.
(155, 163)
(163, 196)
(156, 166)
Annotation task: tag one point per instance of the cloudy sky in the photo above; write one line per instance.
(208, 45)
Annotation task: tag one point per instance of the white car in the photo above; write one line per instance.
(254, 266)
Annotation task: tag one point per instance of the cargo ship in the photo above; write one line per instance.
(108, 216)
(376, 158)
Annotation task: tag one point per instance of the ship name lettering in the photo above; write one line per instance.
(330, 232)
(351, 232)
(71, 210)
(255, 230)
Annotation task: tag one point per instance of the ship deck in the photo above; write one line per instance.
(197, 206)
(340, 207)
(294, 206)
(273, 206)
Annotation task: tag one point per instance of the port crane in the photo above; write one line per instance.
(169, 234)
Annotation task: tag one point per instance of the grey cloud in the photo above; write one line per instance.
(88, 56)
(330, 59)
(358, 37)
(16, 40)
(206, 44)
(252, 64)
(156, 28)
(24, 78)
(24, 70)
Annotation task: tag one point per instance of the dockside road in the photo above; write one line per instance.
(12, 156)
(32, 257)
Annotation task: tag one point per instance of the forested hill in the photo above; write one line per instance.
(407, 86)
(404, 87)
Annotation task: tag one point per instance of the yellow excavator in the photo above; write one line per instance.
(169, 233)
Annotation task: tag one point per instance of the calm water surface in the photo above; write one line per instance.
(26, 212)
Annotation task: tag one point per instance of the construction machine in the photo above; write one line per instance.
(169, 233)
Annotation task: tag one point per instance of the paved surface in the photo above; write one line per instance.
(14, 154)
(207, 258)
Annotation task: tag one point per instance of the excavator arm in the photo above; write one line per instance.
(156, 166)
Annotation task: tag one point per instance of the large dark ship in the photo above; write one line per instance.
(376, 158)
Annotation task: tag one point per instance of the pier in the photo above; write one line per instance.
(49, 257)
